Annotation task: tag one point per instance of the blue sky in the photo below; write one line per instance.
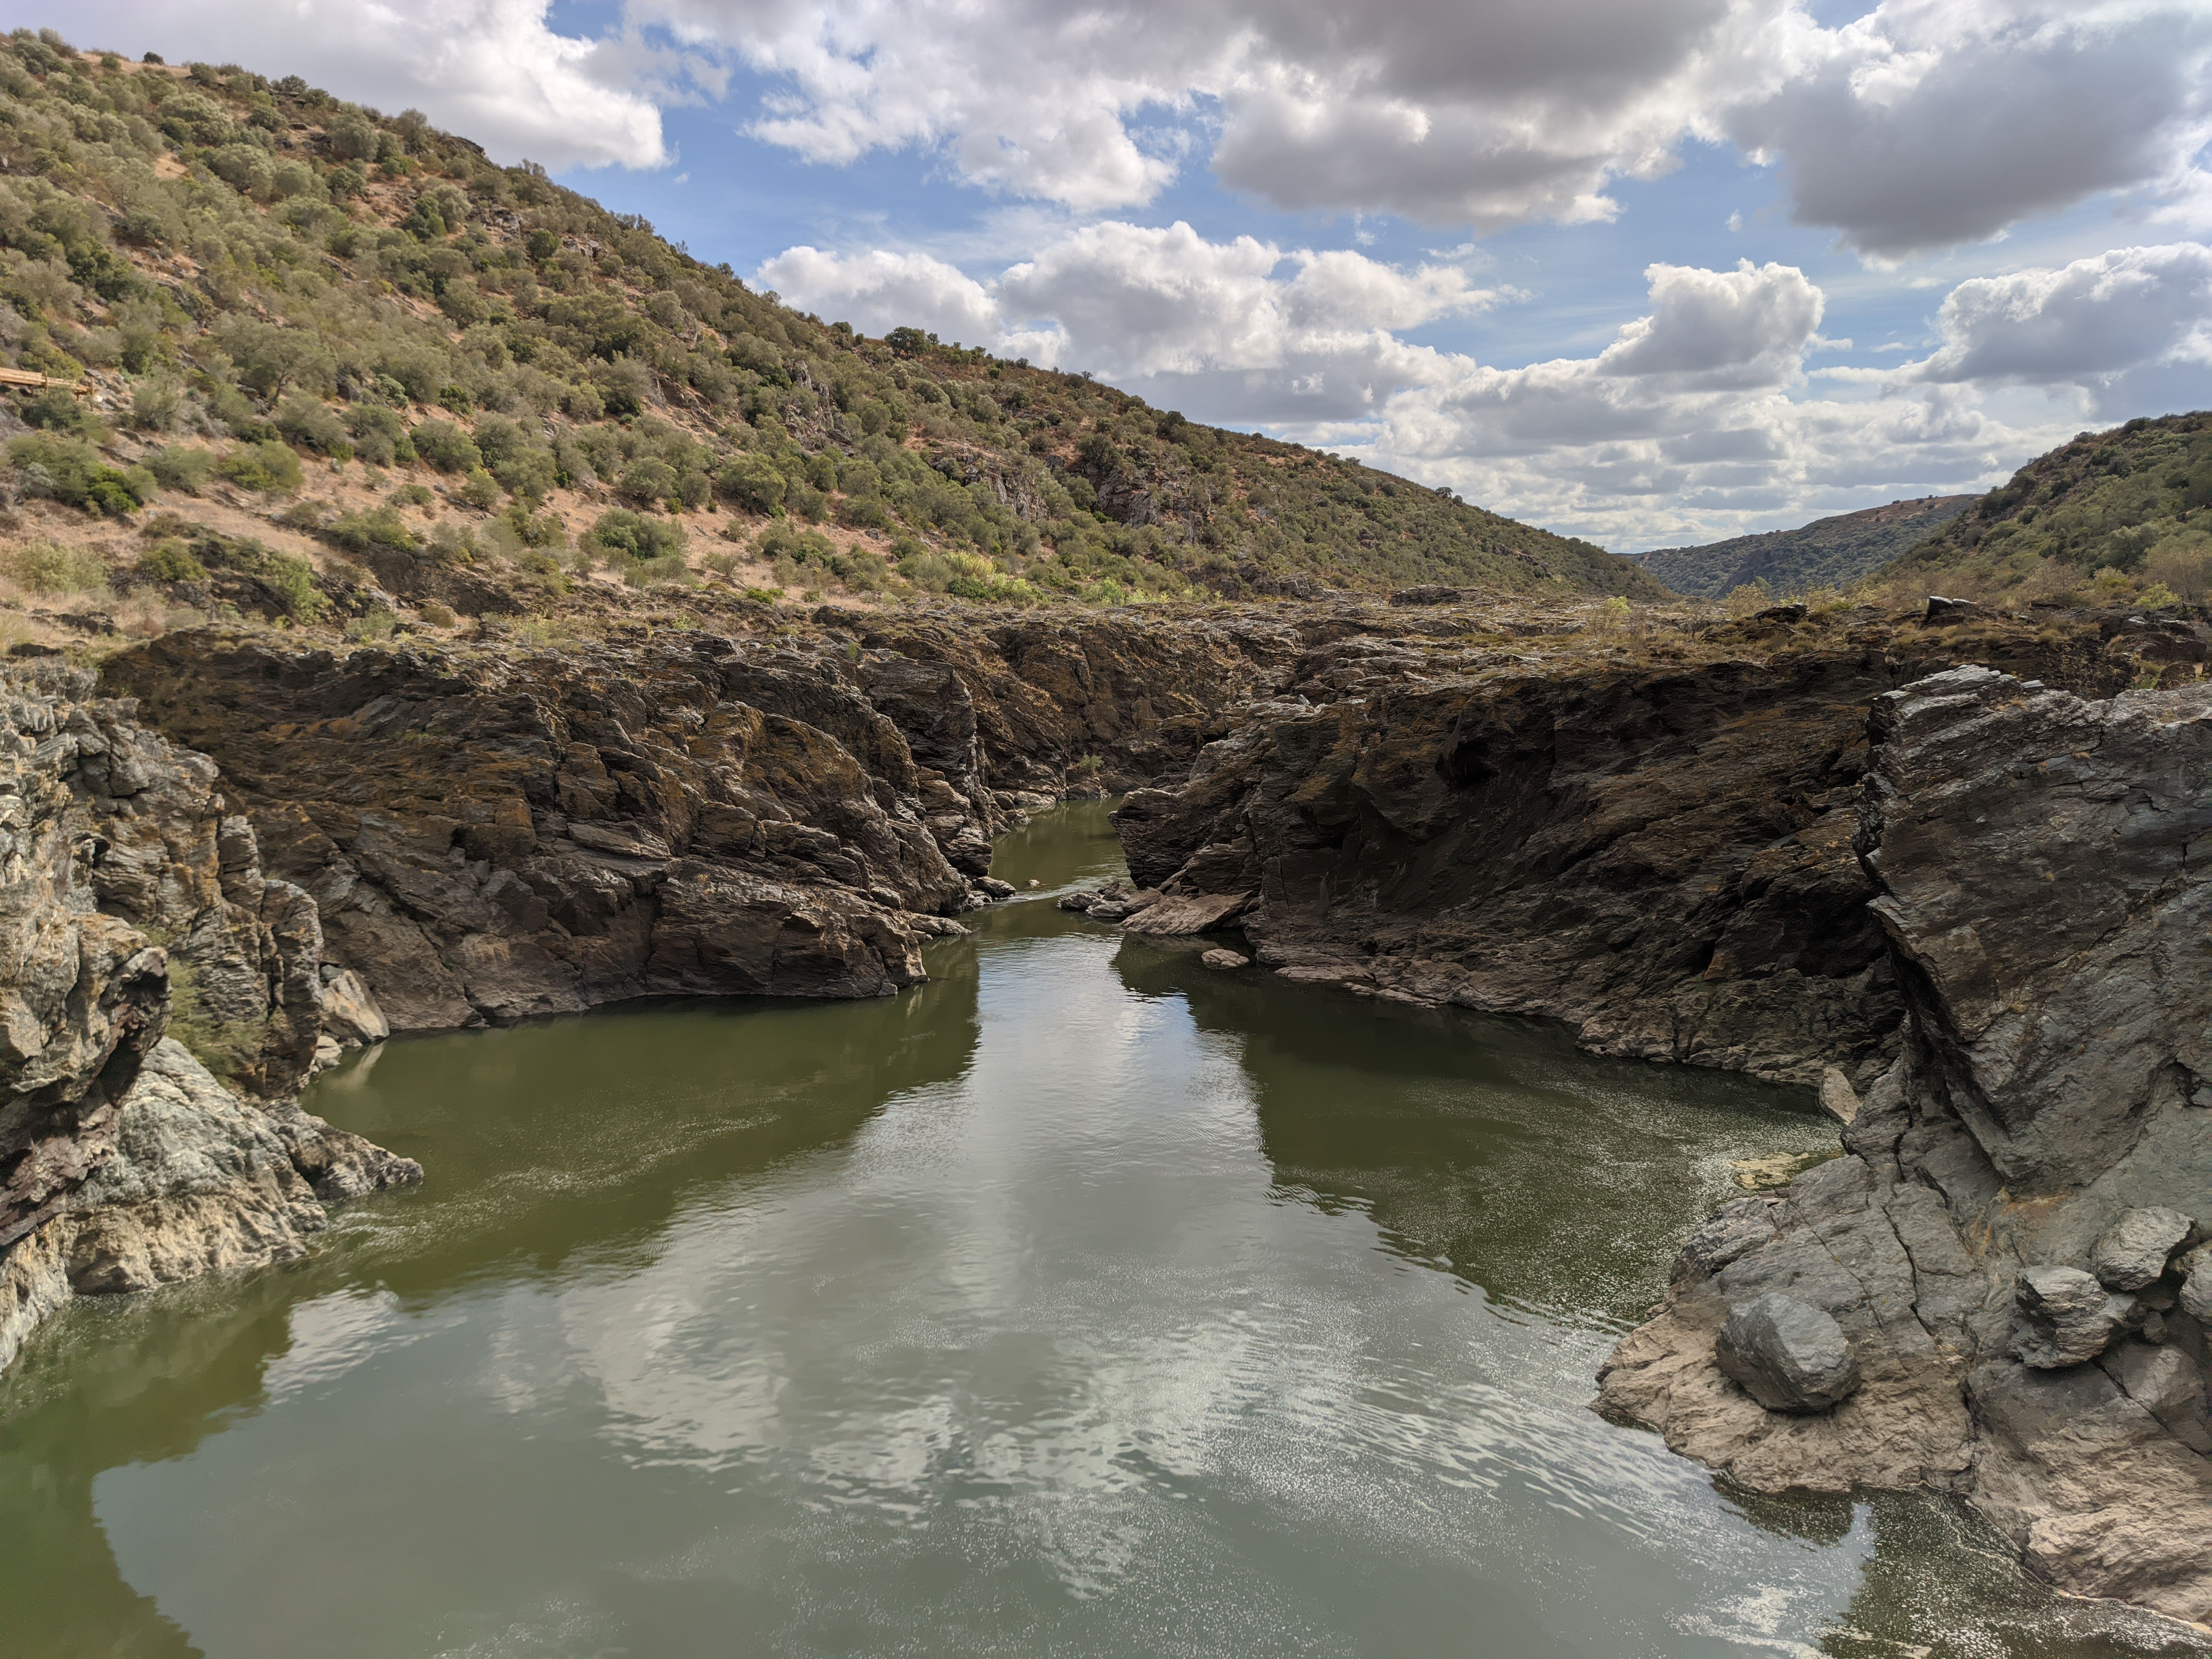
(1498, 244)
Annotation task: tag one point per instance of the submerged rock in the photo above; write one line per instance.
(1788, 1354)
(1178, 914)
(1226, 960)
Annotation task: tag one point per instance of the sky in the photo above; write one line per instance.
(1649, 271)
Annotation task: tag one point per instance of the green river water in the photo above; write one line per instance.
(1082, 1302)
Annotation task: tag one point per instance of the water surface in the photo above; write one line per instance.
(1082, 1302)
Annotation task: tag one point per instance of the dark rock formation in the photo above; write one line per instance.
(124, 1161)
(2043, 890)
(492, 834)
(2134, 1251)
(1788, 1355)
(1662, 859)
(2066, 1318)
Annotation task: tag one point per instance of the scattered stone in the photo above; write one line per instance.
(1180, 914)
(2133, 1251)
(1941, 610)
(1839, 1099)
(994, 887)
(1772, 1169)
(2066, 1318)
(1224, 960)
(1788, 1354)
(350, 1015)
(2197, 1291)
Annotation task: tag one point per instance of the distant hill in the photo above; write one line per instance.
(2122, 516)
(1826, 553)
(255, 278)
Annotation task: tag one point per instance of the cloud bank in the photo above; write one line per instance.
(490, 70)
(1925, 123)
(1699, 417)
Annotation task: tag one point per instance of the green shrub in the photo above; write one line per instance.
(479, 490)
(648, 481)
(623, 536)
(529, 475)
(180, 469)
(56, 410)
(446, 447)
(47, 567)
(314, 425)
(171, 560)
(753, 482)
(70, 470)
(378, 530)
(269, 467)
(668, 568)
(379, 436)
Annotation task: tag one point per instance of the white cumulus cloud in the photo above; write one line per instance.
(1923, 124)
(1241, 327)
(489, 70)
(2119, 324)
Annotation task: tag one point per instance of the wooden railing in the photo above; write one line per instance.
(30, 380)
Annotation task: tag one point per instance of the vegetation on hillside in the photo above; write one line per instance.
(2123, 517)
(1832, 552)
(286, 298)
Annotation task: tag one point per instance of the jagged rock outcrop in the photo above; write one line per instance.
(124, 1161)
(1661, 858)
(494, 833)
(2044, 886)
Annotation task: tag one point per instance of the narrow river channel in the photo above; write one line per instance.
(1084, 1302)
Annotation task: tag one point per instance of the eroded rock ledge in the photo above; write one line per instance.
(1660, 857)
(2044, 880)
(124, 1164)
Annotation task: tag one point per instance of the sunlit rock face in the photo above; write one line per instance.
(2009, 1243)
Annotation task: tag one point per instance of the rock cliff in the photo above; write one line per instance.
(493, 832)
(1659, 855)
(124, 1161)
(2007, 1243)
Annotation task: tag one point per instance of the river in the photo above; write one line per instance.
(1082, 1302)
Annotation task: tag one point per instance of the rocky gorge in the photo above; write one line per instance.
(1949, 863)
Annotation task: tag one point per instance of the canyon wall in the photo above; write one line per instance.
(2011, 1244)
(1659, 855)
(124, 1163)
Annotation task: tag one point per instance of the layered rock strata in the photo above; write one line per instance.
(490, 834)
(2009, 1242)
(124, 1161)
(1661, 858)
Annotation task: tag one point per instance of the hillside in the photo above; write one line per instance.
(328, 348)
(1832, 552)
(2123, 517)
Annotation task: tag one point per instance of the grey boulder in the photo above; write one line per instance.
(2197, 1291)
(2132, 1252)
(1789, 1355)
(2066, 1318)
